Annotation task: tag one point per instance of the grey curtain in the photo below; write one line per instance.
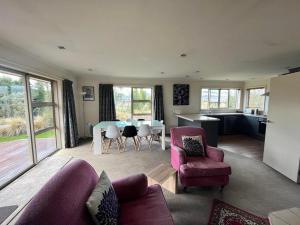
(70, 124)
(107, 111)
(158, 103)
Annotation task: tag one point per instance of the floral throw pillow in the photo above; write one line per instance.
(193, 145)
(103, 204)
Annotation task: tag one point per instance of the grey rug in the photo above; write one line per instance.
(26, 186)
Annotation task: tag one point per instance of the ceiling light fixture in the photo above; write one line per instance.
(61, 47)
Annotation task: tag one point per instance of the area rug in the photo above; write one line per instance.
(225, 214)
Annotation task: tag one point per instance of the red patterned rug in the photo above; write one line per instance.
(225, 214)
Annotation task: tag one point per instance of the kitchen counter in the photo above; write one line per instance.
(197, 117)
(226, 123)
(233, 114)
(209, 124)
(209, 117)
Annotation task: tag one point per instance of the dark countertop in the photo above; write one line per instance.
(228, 114)
(209, 117)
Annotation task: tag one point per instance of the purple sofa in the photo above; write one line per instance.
(198, 171)
(62, 201)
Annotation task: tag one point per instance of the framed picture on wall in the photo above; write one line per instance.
(181, 94)
(88, 93)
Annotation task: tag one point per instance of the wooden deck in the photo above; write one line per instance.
(15, 156)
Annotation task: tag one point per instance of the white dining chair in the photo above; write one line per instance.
(144, 132)
(113, 135)
(156, 133)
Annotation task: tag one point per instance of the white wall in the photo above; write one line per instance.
(92, 107)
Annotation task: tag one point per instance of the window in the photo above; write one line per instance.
(142, 103)
(43, 109)
(27, 122)
(122, 96)
(133, 102)
(220, 98)
(255, 98)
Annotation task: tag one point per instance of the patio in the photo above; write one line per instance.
(15, 156)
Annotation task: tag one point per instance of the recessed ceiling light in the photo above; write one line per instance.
(183, 55)
(61, 47)
(90, 69)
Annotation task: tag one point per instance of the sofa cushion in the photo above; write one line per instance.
(151, 209)
(204, 166)
(193, 145)
(103, 203)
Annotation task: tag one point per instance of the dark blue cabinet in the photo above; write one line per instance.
(240, 124)
(252, 127)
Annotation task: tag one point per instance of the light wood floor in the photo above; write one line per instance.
(243, 145)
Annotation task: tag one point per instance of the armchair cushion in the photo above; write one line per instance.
(193, 145)
(131, 188)
(205, 167)
(178, 132)
(148, 210)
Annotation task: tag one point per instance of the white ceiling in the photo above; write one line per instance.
(229, 39)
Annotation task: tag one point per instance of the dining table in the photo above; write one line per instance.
(102, 126)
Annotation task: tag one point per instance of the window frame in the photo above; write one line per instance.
(29, 105)
(248, 97)
(132, 114)
(141, 101)
(219, 98)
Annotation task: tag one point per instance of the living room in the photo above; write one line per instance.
(139, 112)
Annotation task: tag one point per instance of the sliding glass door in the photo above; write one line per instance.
(43, 109)
(27, 122)
(15, 142)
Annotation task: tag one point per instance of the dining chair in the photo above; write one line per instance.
(130, 132)
(156, 133)
(144, 132)
(91, 126)
(113, 135)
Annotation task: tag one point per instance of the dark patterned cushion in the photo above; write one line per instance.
(193, 146)
(103, 203)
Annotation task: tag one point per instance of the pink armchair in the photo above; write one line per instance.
(209, 170)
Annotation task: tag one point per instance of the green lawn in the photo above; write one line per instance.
(47, 134)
